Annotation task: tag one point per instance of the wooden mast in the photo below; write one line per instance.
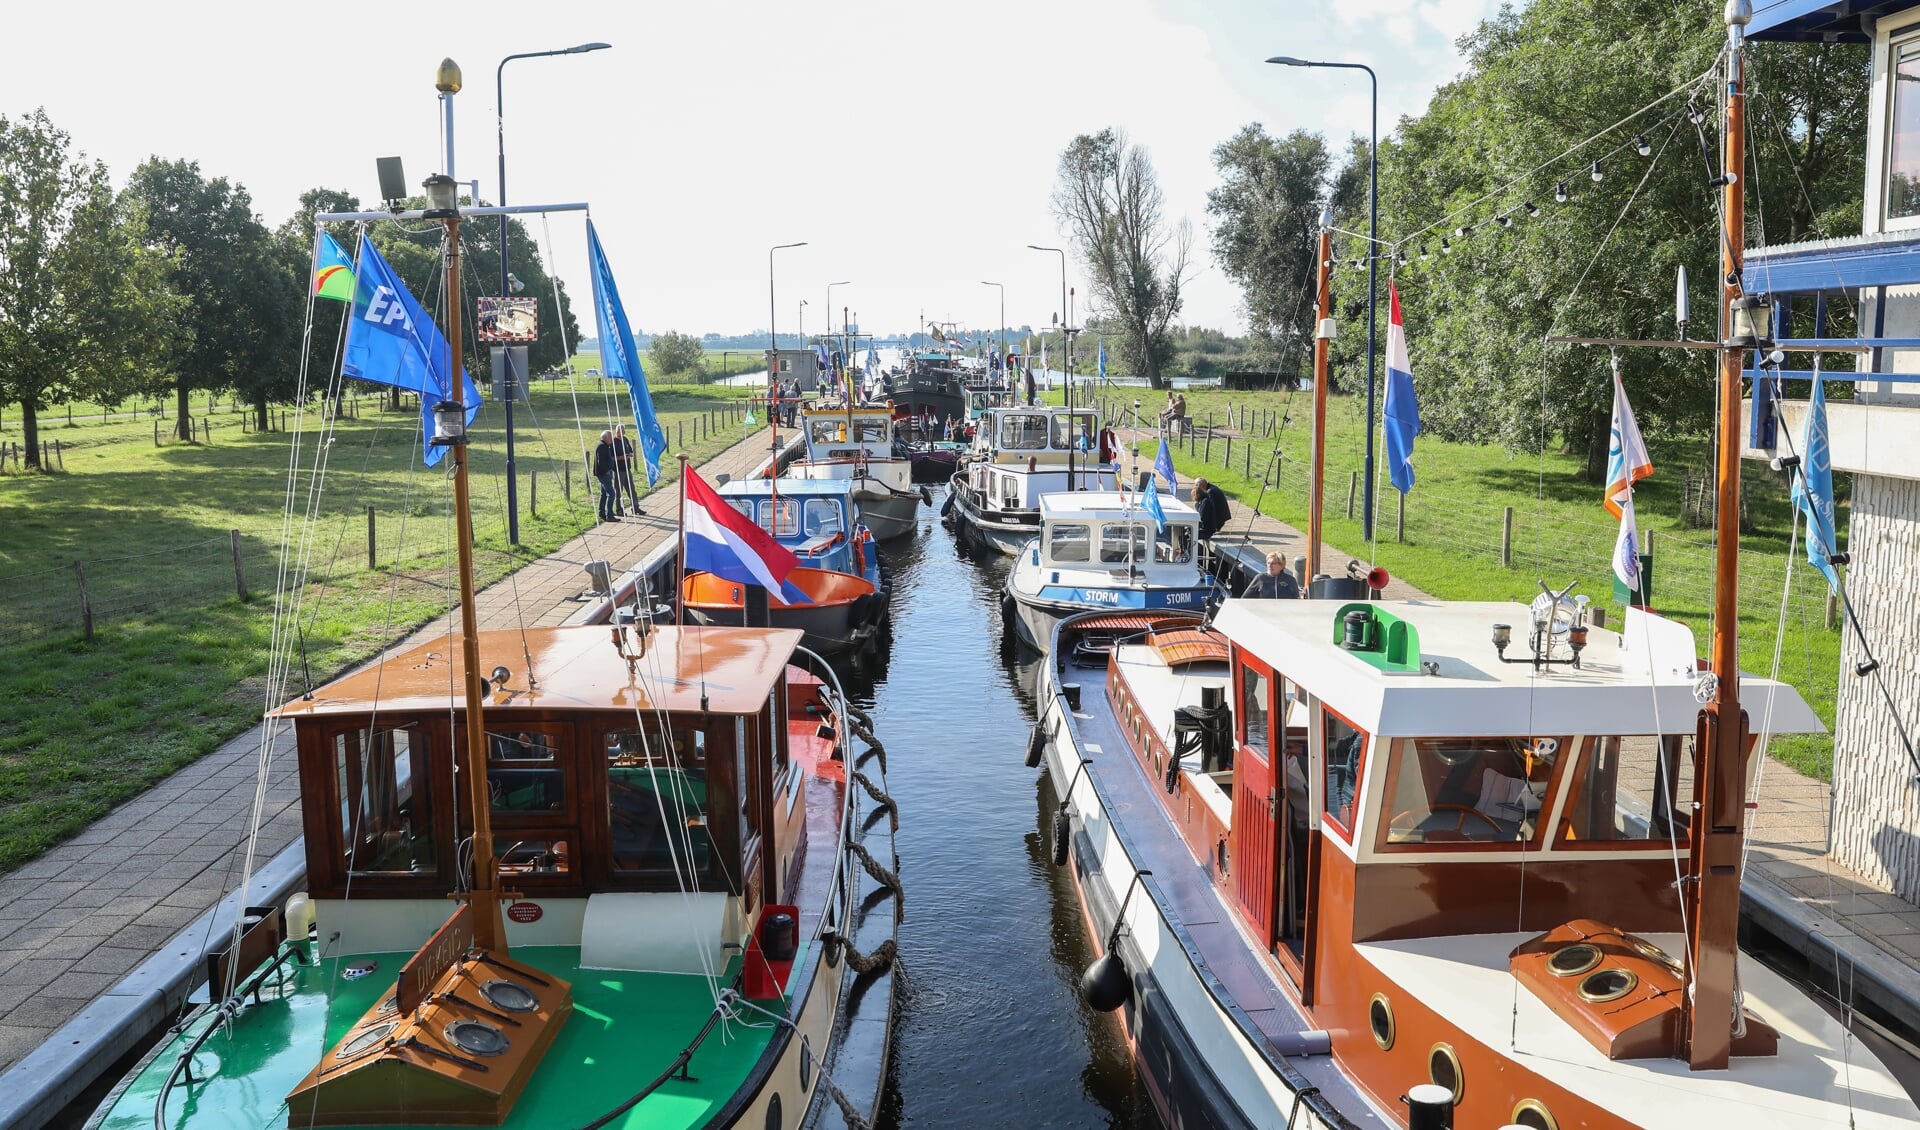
(1322, 345)
(1719, 809)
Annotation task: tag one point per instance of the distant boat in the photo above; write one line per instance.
(1018, 455)
(855, 445)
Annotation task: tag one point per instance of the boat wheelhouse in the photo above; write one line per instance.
(935, 386)
(1105, 549)
(1018, 455)
(856, 445)
(841, 572)
(670, 812)
(1334, 851)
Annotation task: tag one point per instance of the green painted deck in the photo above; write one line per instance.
(626, 1028)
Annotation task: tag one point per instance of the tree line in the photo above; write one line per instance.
(174, 284)
(1487, 256)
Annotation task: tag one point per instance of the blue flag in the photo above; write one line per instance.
(620, 356)
(392, 341)
(1151, 504)
(1163, 466)
(1101, 358)
(1813, 486)
(1401, 418)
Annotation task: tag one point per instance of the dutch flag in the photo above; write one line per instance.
(722, 541)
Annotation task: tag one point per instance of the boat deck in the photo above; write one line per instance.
(1250, 981)
(626, 1028)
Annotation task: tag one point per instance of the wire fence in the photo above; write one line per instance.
(89, 594)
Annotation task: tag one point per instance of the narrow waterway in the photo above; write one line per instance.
(991, 1031)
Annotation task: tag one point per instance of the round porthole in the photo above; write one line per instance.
(1380, 1019)
(1573, 960)
(1608, 985)
(364, 1041)
(806, 1065)
(773, 1112)
(1534, 1115)
(1444, 1070)
(476, 1037)
(1654, 953)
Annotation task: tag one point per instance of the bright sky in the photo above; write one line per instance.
(913, 146)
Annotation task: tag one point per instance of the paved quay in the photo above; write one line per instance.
(77, 921)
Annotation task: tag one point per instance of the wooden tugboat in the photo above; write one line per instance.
(1020, 454)
(1103, 550)
(842, 574)
(1429, 864)
(855, 445)
(577, 876)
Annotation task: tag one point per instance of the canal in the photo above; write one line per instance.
(990, 1030)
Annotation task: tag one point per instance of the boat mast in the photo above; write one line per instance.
(1322, 345)
(1719, 811)
(489, 930)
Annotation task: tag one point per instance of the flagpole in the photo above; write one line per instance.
(1322, 346)
(680, 582)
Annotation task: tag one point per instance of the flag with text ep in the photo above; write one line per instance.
(392, 341)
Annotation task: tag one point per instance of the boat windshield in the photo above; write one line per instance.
(1175, 543)
(1023, 431)
(1073, 432)
(1623, 792)
(823, 517)
(657, 799)
(780, 516)
(1121, 543)
(1467, 790)
(871, 430)
(386, 818)
(1069, 542)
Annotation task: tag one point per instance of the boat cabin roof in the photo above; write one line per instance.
(577, 668)
(880, 412)
(1102, 505)
(762, 488)
(1450, 681)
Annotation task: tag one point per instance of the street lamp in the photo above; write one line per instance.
(802, 314)
(1003, 322)
(830, 287)
(1373, 232)
(1066, 338)
(773, 336)
(500, 132)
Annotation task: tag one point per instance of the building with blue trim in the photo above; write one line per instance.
(1876, 436)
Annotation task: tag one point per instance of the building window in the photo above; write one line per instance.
(1903, 141)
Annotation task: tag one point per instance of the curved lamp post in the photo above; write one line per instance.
(773, 336)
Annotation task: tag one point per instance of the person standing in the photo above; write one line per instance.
(604, 465)
(1212, 507)
(1275, 583)
(623, 462)
(1179, 409)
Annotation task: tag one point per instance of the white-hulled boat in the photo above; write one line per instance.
(856, 443)
(1103, 550)
(1018, 455)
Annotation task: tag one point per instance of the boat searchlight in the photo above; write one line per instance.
(449, 424)
(443, 197)
(1752, 323)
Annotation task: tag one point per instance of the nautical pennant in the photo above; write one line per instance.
(1401, 419)
(392, 341)
(1813, 486)
(1101, 363)
(332, 270)
(1627, 463)
(1163, 466)
(1151, 504)
(620, 356)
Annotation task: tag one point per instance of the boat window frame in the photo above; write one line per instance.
(1009, 442)
(771, 511)
(341, 743)
(1243, 664)
(1060, 431)
(720, 875)
(833, 506)
(1133, 535)
(1547, 815)
(561, 762)
(1357, 792)
(1682, 837)
(1054, 529)
(1897, 42)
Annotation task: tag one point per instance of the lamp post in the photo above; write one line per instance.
(773, 336)
(1003, 322)
(830, 287)
(500, 133)
(802, 315)
(1373, 232)
(1066, 347)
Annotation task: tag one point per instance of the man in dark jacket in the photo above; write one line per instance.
(624, 481)
(604, 464)
(1212, 506)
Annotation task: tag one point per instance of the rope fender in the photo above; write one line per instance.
(886, 802)
(885, 878)
(884, 956)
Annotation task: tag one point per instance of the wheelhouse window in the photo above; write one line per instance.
(1447, 791)
(386, 812)
(523, 775)
(1073, 432)
(1345, 747)
(743, 505)
(872, 430)
(823, 516)
(780, 516)
(1256, 716)
(1069, 542)
(1175, 543)
(657, 807)
(1122, 543)
(1903, 137)
(1023, 431)
(1623, 791)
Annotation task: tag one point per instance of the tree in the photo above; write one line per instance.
(221, 260)
(1267, 223)
(675, 352)
(1109, 200)
(82, 306)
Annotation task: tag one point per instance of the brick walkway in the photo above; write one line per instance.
(76, 920)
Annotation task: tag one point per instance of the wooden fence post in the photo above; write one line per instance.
(680, 434)
(1400, 522)
(1207, 452)
(1226, 458)
(239, 567)
(1506, 539)
(566, 480)
(86, 605)
(533, 493)
(1353, 488)
(59, 456)
(1246, 451)
(1833, 609)
(370, 537)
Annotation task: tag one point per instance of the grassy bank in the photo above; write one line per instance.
(176, 663)
(1449, 541)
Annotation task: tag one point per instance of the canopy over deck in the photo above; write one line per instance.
(734, 669)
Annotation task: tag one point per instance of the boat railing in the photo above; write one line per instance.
(218, 1017)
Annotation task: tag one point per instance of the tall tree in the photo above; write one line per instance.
(219, 254)
(1109, 200)
(1266, 224)
(82, 306)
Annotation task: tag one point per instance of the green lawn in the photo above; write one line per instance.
(176, 664)
(1455, 515)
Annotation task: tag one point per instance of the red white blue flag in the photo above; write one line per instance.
(1401, 418)
(720, 540)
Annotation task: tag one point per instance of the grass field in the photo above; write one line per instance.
(87, 724)
(1455, 515)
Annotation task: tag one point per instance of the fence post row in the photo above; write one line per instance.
(370, 543)
(86, 605)
(1506, 539)
(239, 569)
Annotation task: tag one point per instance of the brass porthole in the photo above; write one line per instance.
(1444, 1070)
(1573, 960)
(1380, 1019)
(1655, 954)
(1534, 1115)
(1608, 984)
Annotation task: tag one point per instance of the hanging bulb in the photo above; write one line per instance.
(1445, 247)
(1459, 232)
(1531, 208)
(1642, 146)
(1560, 193)
(1504, 221)
(1423, 253)
(1400, 257)
(1597, 174)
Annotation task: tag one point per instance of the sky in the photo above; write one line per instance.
(912, 146)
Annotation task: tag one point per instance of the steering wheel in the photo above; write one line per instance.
(1415, 818)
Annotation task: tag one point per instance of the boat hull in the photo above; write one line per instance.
(889, 513)
(847, 613)
(1001, 535)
